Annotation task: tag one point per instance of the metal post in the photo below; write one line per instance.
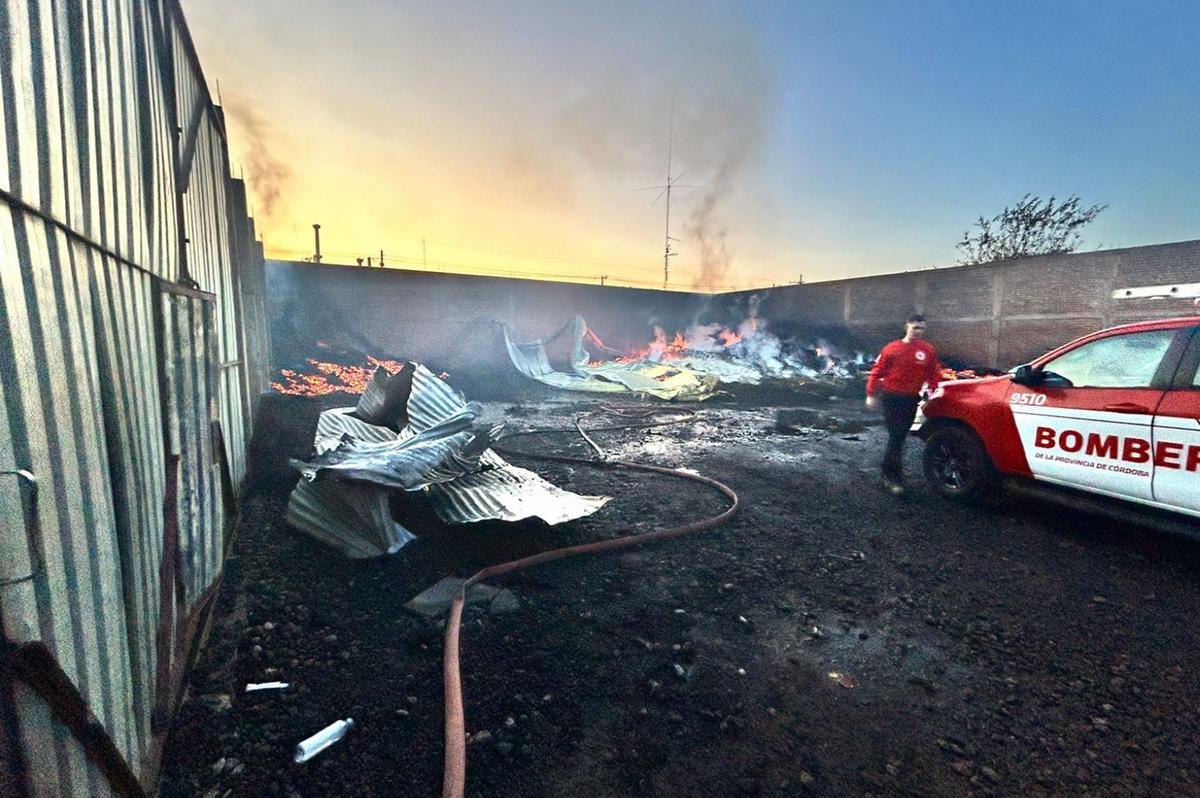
(317, 240)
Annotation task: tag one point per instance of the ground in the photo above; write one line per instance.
(830, 640)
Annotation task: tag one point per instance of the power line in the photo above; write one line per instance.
(439, 265)
(442, 264)
(463, 270)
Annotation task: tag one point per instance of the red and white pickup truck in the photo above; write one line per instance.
(1116, 413)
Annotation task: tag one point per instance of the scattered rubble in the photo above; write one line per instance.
(693, 366)
(220, 702)
(1001, 679)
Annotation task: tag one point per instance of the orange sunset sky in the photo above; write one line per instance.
(822, 139)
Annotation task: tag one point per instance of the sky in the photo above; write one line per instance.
(808, 140)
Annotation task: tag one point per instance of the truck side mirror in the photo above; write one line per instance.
(1027, 375)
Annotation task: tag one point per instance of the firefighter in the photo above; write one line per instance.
(895, 383)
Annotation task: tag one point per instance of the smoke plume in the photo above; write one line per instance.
(705, 231)
(266, 175)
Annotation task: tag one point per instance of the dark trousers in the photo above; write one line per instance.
(898, 414)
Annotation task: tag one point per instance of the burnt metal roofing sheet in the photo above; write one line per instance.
(442, 453)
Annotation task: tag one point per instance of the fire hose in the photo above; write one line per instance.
(454, 779)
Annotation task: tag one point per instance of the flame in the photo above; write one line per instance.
(747, 344)
(332, 377)
(697, 339)
(591, 336)
(965, 374)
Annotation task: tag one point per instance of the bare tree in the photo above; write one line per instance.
(1031, 227)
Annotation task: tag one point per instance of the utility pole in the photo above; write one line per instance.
(381, 258)
(317, 242)
(368, 261)
(603, 277)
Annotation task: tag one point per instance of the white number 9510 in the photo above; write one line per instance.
(1028, 399)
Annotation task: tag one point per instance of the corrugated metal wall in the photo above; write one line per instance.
(128, 271)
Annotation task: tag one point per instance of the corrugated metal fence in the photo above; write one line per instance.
(132, 350)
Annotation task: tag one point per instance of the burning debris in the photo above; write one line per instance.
(688, 366)
(639, 375)
(969, 373)
(412, 432)
(331, 378)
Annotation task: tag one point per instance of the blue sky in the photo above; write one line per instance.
(825, 139)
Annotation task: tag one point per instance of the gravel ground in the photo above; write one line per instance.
(830, 640)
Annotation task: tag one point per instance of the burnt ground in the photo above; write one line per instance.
(1022, 648)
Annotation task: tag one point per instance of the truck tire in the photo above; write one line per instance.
(957, 466)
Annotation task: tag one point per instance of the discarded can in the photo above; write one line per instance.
(255, 686)
(326, 737)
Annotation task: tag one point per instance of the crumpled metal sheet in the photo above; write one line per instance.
(333, 424)
(666, 381)
(508, 493)
(355, 517)
(442, 453)
(656, 379)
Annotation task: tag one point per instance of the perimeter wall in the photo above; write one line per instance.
(998, 314)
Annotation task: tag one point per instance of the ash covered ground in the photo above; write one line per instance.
(830, 640)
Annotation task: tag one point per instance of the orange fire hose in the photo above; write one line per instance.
(454, 780)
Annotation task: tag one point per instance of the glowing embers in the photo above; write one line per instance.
(330, 378)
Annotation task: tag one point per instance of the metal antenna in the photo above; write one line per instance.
(667, 253)
(665, 191)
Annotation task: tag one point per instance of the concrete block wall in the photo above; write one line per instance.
(996, 315)
(451, 322)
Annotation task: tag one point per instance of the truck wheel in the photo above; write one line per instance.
(957, 466)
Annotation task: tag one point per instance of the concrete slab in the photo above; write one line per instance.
(433, 602)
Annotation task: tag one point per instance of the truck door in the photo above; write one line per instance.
(1177, 436)
(1088, 424)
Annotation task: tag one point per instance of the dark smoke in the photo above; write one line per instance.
(267, 176)
(707, 233)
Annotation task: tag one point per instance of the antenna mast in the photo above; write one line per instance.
(667, 253)
(672, 183)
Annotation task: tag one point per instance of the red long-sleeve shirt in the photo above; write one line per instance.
(903, 367)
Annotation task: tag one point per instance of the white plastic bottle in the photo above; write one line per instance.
(326, 737)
